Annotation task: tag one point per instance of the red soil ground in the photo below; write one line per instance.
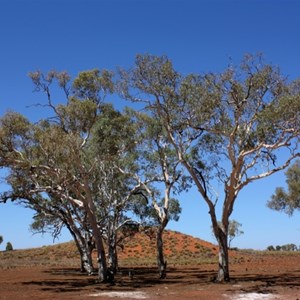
(52, 273)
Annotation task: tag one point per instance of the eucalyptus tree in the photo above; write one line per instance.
(52, 221)
(113, 203)
(46, 192)
(113, 144)
(288, 200)
(160, 178)
(228, 128)
(52, 153)
(51, 215)
(80, 173)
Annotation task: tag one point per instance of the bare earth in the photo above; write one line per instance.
(51, 272)
(254, 277)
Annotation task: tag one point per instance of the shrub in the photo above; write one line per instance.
(9, 246)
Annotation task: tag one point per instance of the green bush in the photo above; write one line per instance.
(9, 246)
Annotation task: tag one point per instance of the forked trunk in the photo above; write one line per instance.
(161, 263)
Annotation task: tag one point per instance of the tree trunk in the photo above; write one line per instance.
(83, 247)
(161, 263)
(101, 259)
(223, 271)
(103, 275)
(86, 261)
(87, 254)
(112, 252)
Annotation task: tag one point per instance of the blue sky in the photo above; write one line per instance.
(198, 36)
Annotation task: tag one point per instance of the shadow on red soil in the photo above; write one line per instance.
(182, 282)
(50, 273)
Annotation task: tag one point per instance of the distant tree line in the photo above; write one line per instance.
(105, 174)
(287, 247)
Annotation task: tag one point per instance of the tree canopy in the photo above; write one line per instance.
(51, 163)
(91, 168)
(228, 127)
(288, 200)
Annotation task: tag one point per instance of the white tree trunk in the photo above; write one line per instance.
(223, 266)
(161, 263)
(83, 247)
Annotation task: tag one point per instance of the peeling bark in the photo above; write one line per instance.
(86, 261)
(161, 263)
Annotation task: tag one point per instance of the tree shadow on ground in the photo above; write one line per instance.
(64, 280)
(129, 279)
(266, 283)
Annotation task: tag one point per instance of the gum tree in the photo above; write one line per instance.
(67, 167)
(230, 128)
(158, 178)
(51, 214)
(113, 143)
(74, 219)
(52, 153)
(162, 178)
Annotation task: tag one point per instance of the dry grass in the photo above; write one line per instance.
(180, 249)
(65, 253)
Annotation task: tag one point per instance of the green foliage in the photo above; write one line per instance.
(287, 247)
(90, 161)
(9, 246)
(174, 209)
(45, 220)
(271, 248)
(234, 230)
(78, 115)
(113, 133)
(52, 167)
(93, 85)
(223, 127)
(147, 214)
(288, 201)
(1, 239)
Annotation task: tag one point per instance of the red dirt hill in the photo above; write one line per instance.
(180, 249)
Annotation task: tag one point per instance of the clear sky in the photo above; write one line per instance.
(198, 36)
